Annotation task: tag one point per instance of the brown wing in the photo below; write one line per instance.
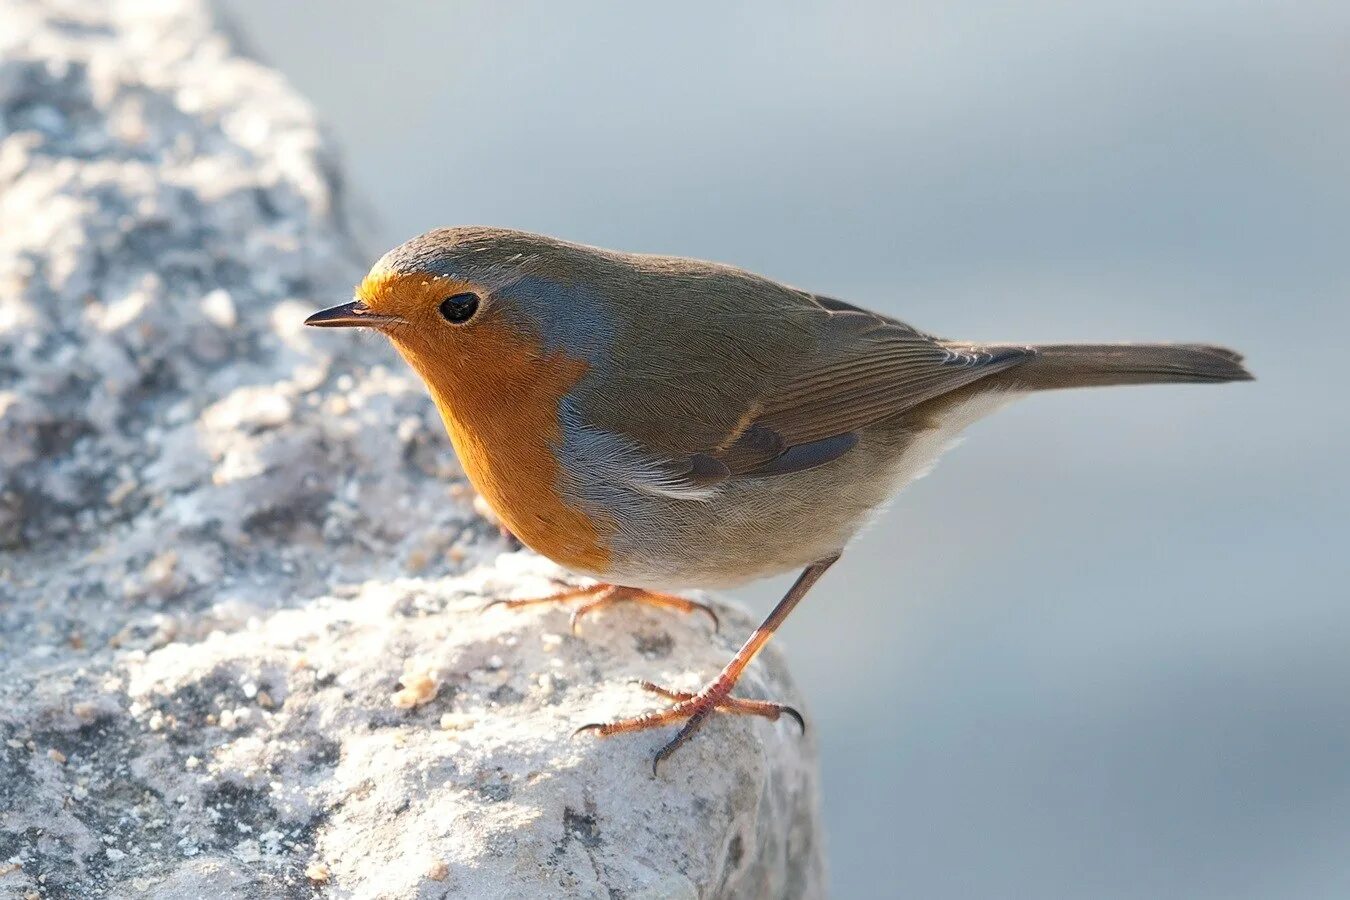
(752, 378)
(866, 368)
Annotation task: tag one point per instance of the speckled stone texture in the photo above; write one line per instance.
(240, 571)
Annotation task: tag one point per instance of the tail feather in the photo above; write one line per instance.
(1093, 365)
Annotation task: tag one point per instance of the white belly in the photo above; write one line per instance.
(751, 528)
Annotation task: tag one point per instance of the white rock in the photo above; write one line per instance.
(218, 307)
(206, 518)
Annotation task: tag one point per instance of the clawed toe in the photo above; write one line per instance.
(715, 696)
(600, 596)
(694, 709)
(796, 715)
(561, 596)
(695, 606)
(736, 705)
(655, 688)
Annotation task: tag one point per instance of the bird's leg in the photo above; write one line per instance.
(715, 696)
(599, 596)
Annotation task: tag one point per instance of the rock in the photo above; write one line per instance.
(241, 652)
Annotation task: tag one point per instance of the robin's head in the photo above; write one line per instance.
(501, 326)
(455, 297)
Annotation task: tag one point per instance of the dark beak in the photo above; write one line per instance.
(351, 315)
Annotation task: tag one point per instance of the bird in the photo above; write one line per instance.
(658, 423)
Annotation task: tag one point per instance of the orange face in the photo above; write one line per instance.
(413, 301)
(498, 392)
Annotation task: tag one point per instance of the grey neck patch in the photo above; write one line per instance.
(566, 318)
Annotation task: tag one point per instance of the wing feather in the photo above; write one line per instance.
(774, 413)
(867, 371)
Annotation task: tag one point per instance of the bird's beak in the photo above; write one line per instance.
(351, 315)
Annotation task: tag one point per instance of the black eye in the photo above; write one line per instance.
(459, 308)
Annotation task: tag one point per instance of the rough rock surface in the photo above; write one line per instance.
(240, 652)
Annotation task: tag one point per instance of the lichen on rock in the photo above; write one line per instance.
(241, 652)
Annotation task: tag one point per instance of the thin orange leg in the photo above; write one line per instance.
(599, 596)
(694, 709)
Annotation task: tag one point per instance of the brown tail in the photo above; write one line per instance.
(1093, 365)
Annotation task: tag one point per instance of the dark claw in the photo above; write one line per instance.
(574, 622)
(593, 726)
(691, 725)
(712, 614)
(801, 722)
(668, 749)
(661, 755)
(491, 603)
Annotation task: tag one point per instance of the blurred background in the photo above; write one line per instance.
(1102, 650)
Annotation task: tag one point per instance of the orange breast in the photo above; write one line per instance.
(498, 394)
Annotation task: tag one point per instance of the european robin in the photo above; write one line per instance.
(657, 423)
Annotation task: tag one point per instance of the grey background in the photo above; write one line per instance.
(1102, 650)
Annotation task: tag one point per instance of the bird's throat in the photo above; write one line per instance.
(500, 409)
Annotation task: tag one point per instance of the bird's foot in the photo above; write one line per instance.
(694, 710)
(599, 596)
